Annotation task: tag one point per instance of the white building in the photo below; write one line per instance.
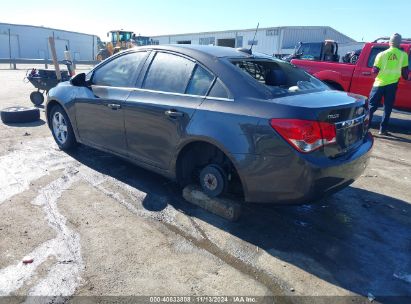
(26, 41)
(271, 40)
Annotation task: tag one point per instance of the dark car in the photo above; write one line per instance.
(234, 122)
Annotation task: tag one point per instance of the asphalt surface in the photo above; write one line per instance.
(96, 225)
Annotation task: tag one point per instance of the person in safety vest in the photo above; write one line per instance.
(389, 66)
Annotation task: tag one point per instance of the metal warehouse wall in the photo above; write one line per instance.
(274, 40)
(32, 42)
(293, 35)
(243, 38)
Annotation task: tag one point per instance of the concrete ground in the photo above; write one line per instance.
(96, 225)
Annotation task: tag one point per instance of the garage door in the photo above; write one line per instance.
(226, 42)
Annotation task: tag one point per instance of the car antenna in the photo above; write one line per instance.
(255, 34)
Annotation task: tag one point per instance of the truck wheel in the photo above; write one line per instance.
(334, 86)
(20, 114)
(36, 98)
(213, 180)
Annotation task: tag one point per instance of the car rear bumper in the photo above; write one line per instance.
(298, 179)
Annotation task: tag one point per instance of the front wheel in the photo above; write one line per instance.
(61, 128)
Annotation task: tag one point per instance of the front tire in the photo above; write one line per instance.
(61, 128)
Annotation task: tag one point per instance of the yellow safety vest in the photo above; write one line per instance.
(390, 63)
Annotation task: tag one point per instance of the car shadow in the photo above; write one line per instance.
(396, 124)
(392, 137)
(358, 240)
(36, 123)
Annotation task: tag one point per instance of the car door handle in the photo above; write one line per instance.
(173, 113)
(114, 106)
(366, 73)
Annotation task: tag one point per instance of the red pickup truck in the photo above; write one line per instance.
(358, 78)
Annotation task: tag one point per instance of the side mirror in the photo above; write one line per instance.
(79, 80)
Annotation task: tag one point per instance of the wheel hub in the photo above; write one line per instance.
(210, 181)
(60, 127)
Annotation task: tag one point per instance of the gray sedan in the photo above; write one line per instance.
(234, 122)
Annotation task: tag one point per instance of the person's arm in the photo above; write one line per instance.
(375, 70)
(405, 71)
(377, 64)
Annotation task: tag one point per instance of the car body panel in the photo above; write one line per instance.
(148, 126)
(100, 117)
(270, 170)
(314, 177)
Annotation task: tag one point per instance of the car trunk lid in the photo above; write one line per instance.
(347, 112)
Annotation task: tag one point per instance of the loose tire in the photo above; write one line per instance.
(19, 114)
(61, 128)
(36, 98)
(213, 180)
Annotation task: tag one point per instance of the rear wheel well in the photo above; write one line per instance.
(196, 155)
(334, 85)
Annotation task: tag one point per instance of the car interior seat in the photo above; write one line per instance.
(275, 77)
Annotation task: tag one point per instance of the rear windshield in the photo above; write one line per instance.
(280, 77)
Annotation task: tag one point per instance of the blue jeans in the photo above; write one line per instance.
(376, 95)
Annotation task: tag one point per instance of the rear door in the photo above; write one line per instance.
(363, 77)
(159, 111)
(99, 109)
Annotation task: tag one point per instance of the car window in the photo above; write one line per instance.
(200, 82)
(374, 52)
(311, 51)
(280, 77)
(168, 73)
(119, 72)
(218, 90)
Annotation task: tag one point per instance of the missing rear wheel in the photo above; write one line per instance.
(213, 180)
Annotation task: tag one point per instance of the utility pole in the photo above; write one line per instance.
(10, 47)
(93, 50)
(54, 57)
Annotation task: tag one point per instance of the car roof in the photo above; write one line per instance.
(225, 71)
(192, 50)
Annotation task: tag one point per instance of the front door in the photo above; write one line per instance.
(158, 114)
(403, 99)
(99, 109)
(364, 78)
(100, 117)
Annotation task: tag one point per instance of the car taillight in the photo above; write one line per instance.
(305, 135)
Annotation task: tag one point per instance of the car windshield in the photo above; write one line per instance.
(280, 77)
(122, 36)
